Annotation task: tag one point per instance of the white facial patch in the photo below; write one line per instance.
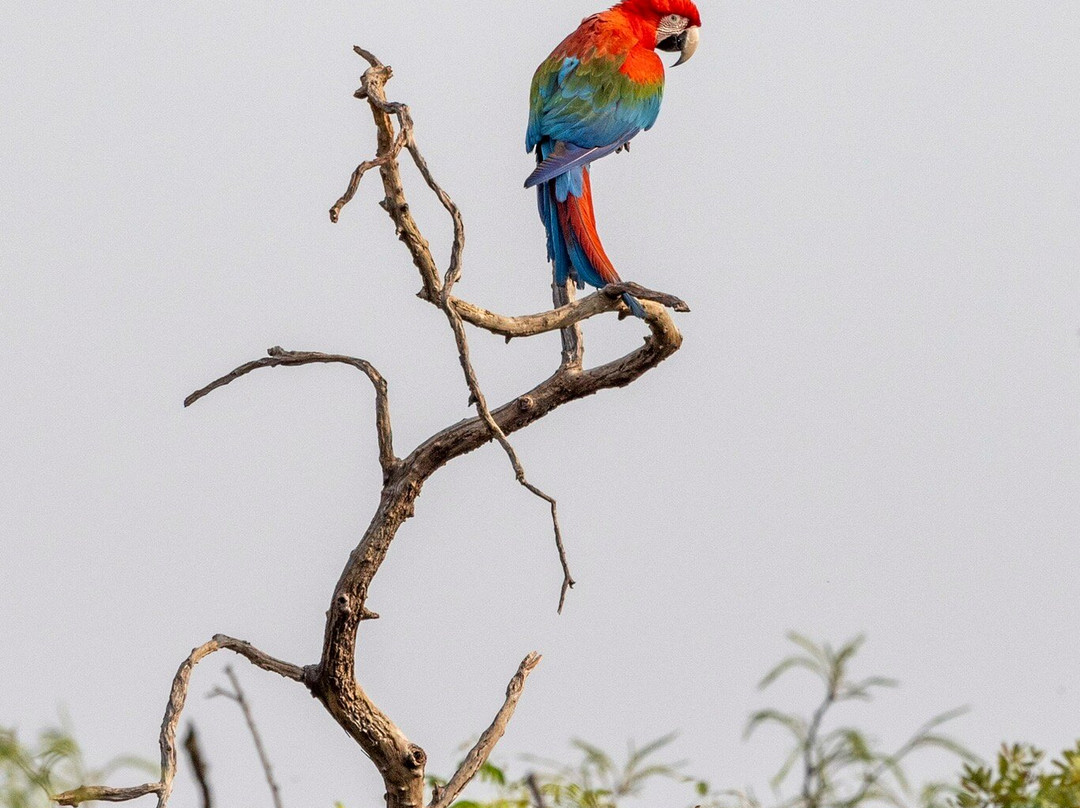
(671, 25)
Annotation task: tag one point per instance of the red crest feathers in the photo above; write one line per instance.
(653, 10)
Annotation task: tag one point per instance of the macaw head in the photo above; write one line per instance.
(677, 24)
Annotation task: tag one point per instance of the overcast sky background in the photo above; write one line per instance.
(873, 426)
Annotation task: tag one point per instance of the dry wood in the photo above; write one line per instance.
(478, 755)
(333, 679)
(174, 707)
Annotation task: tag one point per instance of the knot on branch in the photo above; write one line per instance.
(376, 73)
(415, 758)
(312, 675)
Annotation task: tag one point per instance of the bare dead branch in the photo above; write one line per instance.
(562, 387)
(480, 752)
(259, 659)
(279, 357)
(237, 695)
(177, 697)
(573, 343)
(368, 56)
(511, 453)
(358, 174)
(372, 88)
(77, 796)
(198, 766)
(529, 325)
(637, 290)
(395, 204)
(333, 680)
(167, 737)
(566, 315)
(453, 270)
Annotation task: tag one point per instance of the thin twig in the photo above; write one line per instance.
(237, 695)
(199, 767)
(497, 432)
(890, 761)
(279, 357)
(480, 752)
(358, 174)
(811, 767)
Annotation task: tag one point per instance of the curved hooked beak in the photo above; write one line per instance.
(687, 42)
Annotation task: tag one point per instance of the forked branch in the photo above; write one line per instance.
(167, 737)
(333, 679)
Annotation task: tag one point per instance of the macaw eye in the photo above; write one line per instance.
(673, 23)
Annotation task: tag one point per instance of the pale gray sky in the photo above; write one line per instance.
(874, 424)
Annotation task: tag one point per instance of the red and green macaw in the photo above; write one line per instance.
(589, 98)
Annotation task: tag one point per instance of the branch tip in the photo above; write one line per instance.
(369, 57)
(482, 749)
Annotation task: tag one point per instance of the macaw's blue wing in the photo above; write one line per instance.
(565, 157)
(589, 104)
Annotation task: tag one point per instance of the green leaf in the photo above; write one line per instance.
(787, 665)
(785, 769)
(948, 744)
(816, 652)
(490, 773)
(795, 725)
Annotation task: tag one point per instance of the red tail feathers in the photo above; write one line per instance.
(578, 221)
